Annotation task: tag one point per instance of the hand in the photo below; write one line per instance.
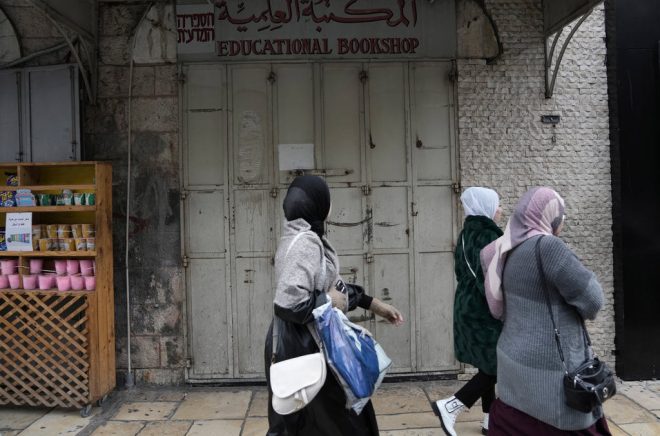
(386, 311)
(339, 300)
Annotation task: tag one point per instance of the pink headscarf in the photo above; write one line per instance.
(539, 212)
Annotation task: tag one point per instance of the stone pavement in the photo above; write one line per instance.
(402, 408)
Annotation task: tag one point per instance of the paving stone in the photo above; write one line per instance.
(642, 428)
(622, 410)
(400, 398)
(215, 428)
(159, 395)
(117, 428)
(166, 428)
(214, 405)
(15, 418)
(468, 428)
(656, 413)
(408, 420)
(145, 411)
(255, 427)
(58, 422)
(414, 432)
(644, 397)
(10, 433)
(259, 404)
(615, 429)
(442, 389)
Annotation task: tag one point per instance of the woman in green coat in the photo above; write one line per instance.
(475, 330)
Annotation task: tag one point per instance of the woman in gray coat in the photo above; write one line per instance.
(529, 369)
(304, 281)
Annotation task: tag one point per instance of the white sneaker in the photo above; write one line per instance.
(484, 426)
(447, 410)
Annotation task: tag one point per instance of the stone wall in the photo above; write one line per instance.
(156, 274)
(504, 145)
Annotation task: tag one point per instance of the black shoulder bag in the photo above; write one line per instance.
(592, 382)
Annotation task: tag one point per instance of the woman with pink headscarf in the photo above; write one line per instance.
(529, 368)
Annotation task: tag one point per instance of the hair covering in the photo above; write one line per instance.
(308, 197)
(539, 212)
(479, 201)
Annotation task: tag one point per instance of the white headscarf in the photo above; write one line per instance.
(480, 202)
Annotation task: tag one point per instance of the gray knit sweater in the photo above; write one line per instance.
(299, 272)
(529, 371)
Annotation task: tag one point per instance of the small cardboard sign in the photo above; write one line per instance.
(18, 231)
(296, 156)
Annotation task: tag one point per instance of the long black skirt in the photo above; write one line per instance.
(326, 415)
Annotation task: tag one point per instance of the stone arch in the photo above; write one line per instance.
(476, 32)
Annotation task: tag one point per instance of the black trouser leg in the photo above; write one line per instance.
(488, 397)
(481, 386)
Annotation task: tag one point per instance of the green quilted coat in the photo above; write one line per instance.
(475, 330)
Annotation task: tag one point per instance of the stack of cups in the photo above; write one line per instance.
(75, 274)
(30, 281)
(9, 277)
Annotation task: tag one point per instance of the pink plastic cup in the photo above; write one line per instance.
(45, 281)
(90, 283)
(14, 281)
(72, 267)
(63, 283)
(77, 283)
(30, 281)
(60, 267)
(8, 266)
(4, 282)
(36, 266)
(86, 267)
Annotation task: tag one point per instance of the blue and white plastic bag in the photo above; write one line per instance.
(357, 360)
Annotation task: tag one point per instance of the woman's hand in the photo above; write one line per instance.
(339, 300)
(386, 311)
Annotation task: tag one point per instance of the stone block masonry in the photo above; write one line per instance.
(504, 145)
(156, 273)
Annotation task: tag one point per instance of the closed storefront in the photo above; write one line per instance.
(373, 115)
(382, 135)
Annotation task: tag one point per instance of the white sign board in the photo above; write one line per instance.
(359, 29)
(18, 231)
(195, 29)
(296, 156)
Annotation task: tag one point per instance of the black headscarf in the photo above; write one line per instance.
(308, 197)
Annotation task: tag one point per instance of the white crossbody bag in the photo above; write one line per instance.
(295, 382)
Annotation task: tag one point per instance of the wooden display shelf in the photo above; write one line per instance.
(48, 253)
(50, 187)
(66, 358)
(47, 209)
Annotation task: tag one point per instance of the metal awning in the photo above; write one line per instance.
(557, 14)
(78, 15)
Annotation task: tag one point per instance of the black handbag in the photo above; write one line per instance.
(592, 382)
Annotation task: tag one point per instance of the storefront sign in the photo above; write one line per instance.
(195, 29)
(296, 29)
